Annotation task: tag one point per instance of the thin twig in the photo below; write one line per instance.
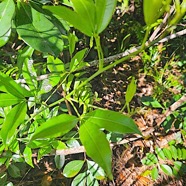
(156, 31)
(171, 109)
(115, 57)
(81, 149)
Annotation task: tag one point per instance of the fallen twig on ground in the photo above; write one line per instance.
(171, 109)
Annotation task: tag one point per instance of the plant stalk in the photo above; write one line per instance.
(100, 51)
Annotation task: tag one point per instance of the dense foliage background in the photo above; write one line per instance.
(92, 92)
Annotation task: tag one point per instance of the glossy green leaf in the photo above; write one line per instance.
(24, 54)
(166, 169)
(72, 39)
(80, 180)
(39, 143)
(86, 10)
(154, 173)
(28, 70)
(72, 168)
(13, 119)
(44, 151)
(59, 161)
(167, 153)
(7, 84)
(10, 184)
(4, 38)
(131, 90)
(83, 179)
(72, 17)
(58, 145)
(91, 136)
(46, 85)
(183, 153)
(91, 180)
(150, 159)
(104, 12)
(55, 127)
(179, 153)
(37, 31)
(177, 168)
(160, 153)
(173, 152)
(7, 9)
(112, 121)
(14, 145)
(88, 17)
(55, 65)
(8, 99)
(152, 10)
(77, 59)
(95, 170)
(27, 153)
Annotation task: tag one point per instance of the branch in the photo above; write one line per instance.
(135, 140)
(117, 56)
(171, 109)
(156, 31)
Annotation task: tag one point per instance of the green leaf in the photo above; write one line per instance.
(55, 65)
(8, 99)
(166, 169)
(104, 12)
(177, 168)
(4, 38)
(14, 171)
(160, 153)
(91, 180)
(36, 30)
(77, 59)
(167, 153)
(8, 85)
(27, 69)
(7, 9)
(72, 17)
(131, 90)
(58, 145)
(80, 180)
(112, 121)
(24, 54)
(13, 119)
(183, 153)
(10, 184)
(72, 168)
(173, 152)
(91, 136)
(27, 153)
(179, 153)
(154, 173)
(86, 10)
(95, 170)
(150, 159)
(44, 151)
(72, 39)
(152, 10)
(55, 127)
(59, 161)
(39, 143)
(88, 17)
(149, 101)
